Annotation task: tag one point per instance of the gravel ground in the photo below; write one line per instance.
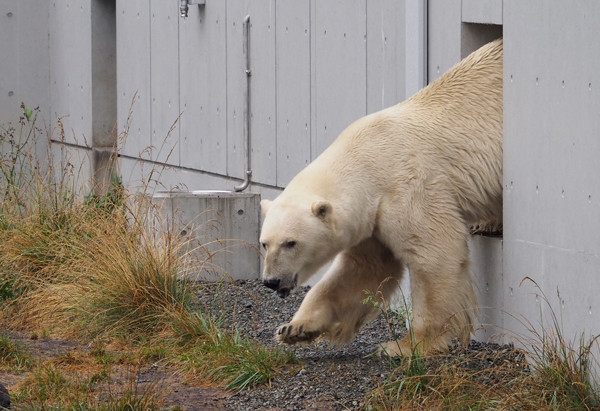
(326, 378)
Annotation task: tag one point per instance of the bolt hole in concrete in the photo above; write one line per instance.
(240, 212)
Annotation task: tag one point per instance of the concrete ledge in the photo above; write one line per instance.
(482, 11)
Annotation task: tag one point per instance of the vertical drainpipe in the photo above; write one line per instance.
(246, 182)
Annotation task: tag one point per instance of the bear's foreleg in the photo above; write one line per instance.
(334, 307)
(427, 230)
(443, 300)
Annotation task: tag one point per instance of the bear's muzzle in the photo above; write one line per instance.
(283, 289)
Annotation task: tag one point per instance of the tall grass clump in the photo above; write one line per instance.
(106, 266)
(564, 370)
(225, 356)
(124, 280)
(90, 265)
(37, 210)
(550, 372)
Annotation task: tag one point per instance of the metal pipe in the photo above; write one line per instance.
(183, 8)
(246, 182)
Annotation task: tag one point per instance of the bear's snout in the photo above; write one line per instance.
(272, 283)
(284, 287)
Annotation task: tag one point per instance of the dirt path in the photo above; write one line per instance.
(175, 389)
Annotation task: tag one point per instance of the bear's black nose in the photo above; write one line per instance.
(273, 284)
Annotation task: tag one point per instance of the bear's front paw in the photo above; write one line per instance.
(292, 334)
(394, 349)
(405, 347)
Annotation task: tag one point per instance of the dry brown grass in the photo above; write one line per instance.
(551, 372)
(104, 269)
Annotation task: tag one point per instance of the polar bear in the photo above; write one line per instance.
(398, 188)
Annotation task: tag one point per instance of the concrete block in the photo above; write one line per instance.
(222, 228)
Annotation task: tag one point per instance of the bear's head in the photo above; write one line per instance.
(298, 238)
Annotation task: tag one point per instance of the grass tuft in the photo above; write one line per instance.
(552, 372)
(208, 350)
(52, 387)
(564, 369)
(13, 355)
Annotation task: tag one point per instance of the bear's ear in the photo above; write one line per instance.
(322, 209)
(265, 205)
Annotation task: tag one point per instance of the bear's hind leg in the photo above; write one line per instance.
(334, 307)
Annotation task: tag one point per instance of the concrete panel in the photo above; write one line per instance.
(415, 48)
(482, 11)
(9, 67)
(222, 231)
(339, 56)
(263, 111)
(293, 88)
(70, 68)
(133, 76)
(164, 82)
(385, 54)
(486, 271)
(25, 77)
(443, 36)
(203, 88)
(551, 151)
(72, 166)
(262, 90)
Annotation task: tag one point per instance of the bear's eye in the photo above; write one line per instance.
(290, 244)
(264, 245)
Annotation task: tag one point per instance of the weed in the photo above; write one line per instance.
(553, 373)
(225, 356)
(112, 200)
(563, 369)
(9, 290)
(155, 352)
(13, 355)
(133, 397)
(50, 387)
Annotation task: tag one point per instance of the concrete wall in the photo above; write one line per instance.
(60, 56)
(316, 67)
(551, 166)
(551, 150)
(24, 77)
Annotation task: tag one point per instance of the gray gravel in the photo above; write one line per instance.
(326, 378)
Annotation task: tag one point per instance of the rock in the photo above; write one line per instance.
(4, 397)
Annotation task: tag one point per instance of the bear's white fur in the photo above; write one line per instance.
(397, 188)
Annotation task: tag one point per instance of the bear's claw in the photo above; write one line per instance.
(290, 334)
